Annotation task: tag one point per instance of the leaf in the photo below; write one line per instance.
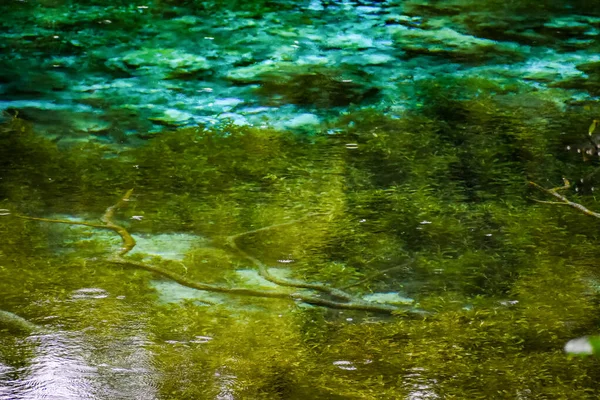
(593, 126)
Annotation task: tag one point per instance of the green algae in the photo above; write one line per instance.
(442, 205)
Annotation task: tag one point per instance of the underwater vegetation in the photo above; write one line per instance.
(315, 87)
(433, 210)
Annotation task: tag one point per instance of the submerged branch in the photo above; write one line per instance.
(343, 300)
(60, 221)
(107, 218)
(194, 284)
(305, 298)
(264, 271)
(128, 241)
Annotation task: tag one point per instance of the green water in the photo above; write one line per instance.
(494, 284)
(386, 241)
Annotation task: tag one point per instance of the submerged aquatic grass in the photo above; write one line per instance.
(436, 211)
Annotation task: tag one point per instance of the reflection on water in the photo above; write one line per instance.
(421, 387)
(65, 367)
(226, 382)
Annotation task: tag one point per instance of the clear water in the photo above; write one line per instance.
(331, 200)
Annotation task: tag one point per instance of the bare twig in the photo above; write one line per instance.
(563, 199)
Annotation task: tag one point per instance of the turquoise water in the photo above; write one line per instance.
(299, 200)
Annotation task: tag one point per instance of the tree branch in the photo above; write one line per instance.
(563, 200)
(343, 300)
